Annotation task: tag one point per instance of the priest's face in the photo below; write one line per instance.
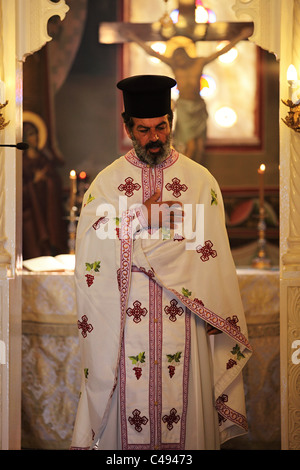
(151, 138)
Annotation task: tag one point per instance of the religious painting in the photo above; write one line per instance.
(230, 84)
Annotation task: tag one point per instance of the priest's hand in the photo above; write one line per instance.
(211, 330)
(163, 213)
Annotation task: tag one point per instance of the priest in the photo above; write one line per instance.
(161, 324)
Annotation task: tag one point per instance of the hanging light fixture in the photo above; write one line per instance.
(165, 24)
(292, 119)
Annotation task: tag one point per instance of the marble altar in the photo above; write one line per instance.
(51, 362)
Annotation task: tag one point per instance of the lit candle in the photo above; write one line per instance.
(261, 172)
(73, 188)
(292, 79)
(2, 92)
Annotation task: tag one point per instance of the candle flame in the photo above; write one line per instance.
(82, 175)
(72, 174)
(262, 167)
(291, 73)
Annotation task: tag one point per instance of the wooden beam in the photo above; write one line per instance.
(111, 33)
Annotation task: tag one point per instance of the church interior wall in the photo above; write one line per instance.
(86, 125)
(239, 167)
(87, 119)
(85, 106)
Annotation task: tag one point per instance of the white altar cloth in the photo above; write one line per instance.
(51, 362)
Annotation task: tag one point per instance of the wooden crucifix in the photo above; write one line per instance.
(187, 70)
(111, 33)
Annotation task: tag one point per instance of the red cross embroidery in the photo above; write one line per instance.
(136, 311)
(173, 417)
(129, 187)
(176, 187)
(206, 251)
(173, 310)
(137, 420)
(84, 326)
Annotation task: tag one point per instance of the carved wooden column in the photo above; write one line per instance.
(277, 30)
(23, 30)
(290, 249)
(10, 282)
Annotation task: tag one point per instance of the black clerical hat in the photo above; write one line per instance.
(147, 96)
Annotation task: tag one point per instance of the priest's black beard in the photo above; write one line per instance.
(152, 159)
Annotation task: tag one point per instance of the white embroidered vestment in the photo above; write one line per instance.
(144, 300)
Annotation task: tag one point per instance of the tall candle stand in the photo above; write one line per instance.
(261, 261)
(72, 230)
(73, 210)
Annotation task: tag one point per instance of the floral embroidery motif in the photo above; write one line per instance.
(178, 237)
(199, 302)
(149, 273)
(214, 199)
(174, 360)
(129, 187)
(173, 417)
(89, 279)
(225, 412)
(118, 223)
(220, 401)
(236, 351)
(84, 326)
(137, 420)
(173, 310)
(231, 363)
(206, 251)
(176, 187)
(234, 320)
(100, 221)
(186, 292)
(95, 266)
(137, 311)
(166, 232)
(138, 361)
(89, 199)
